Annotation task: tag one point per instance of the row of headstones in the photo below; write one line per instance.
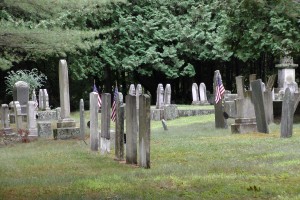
(199, 94)
(163, 96)
(137, 127)
(259, 100)
(31, 118)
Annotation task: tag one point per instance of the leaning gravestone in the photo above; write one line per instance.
(259, 106)
(202, 94)
(119, 135)
(144, 131)
(105, 123)
(131, 130)
(220, 121)
(195, 94)
(287, 116)
(5, 119)
(94, 134)
(66, 126)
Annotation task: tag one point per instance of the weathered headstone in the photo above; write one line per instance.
(18, 115)
(240, 86)
(164, 124)
(132, 90)
(21, 94)
(5, 119)
(119, 135)
(202, 94)
(160, 96)
(94, 134)
(268, 101)
(105, 123)
(195, 94)
(252, 77)
(131, 130)
(167, 95)
(31, 120)
(144, 131)
(138, 92)
(46, 100)
(66, 126)
(82, 120)
(271, 81)
(259, 106)
(287, 114)
(41, 99)
(12, 117)
(33, 98)
(220, 121)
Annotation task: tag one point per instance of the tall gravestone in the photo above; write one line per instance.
(240, 86)
(138, 92)
(82, 120)
(131, 130)
(259, 106)
(287, 116)
(144, 131)
(119, 135)
(195, 94)
(41, 99)
(21, 94)
(5, 119)
(202, 94)
(220, 121)
(18, 115)
(167, 95)
(31, 120)
(46, 100)
(252, 77)
(66, 126)
(94, 134)
(160, 96)
(105, 123)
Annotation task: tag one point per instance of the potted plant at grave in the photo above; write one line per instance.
(33, 78)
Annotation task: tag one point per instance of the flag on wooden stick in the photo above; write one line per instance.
(114, 105)
(220, 90)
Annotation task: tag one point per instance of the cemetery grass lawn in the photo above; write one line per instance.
(192, 160)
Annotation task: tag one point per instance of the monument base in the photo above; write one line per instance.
(244, 125)
(195, 102)
(66, 123)
(6, 131)
(44, 129)
(66, 133)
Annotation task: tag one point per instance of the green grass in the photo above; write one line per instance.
(192, 160)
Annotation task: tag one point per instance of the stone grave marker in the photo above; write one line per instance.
(144, 131)
(240, 86)
(259, 106)
(21, 94)
(31, 120)
(252, 77)
(220, 121)
(160, 96)
(202, 94)
(287, 116)
(46, 100)
(94, 134)
(271, 81)
(195, 94)
(132, 90)
(5, 119)
(18, 115)
(105, 123)
(167, 95)
(41, 99)
(119, 134)
(131, 130)
(138, 93)
(82, 120)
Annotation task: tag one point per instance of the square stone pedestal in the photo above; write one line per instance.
(244, 125)
(66, 129)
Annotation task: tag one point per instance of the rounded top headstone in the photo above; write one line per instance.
(21, 84)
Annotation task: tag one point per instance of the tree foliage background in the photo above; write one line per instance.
(147, 42)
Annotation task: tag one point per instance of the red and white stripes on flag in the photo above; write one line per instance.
(220, 90)
(114, 105)
(99, 97)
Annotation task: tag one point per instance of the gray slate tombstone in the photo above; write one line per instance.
(202, 94)
(82, 120)
(46, 100)
(5, 119)
(31, 119)
(160, 96)
(41, 99)
(220, 121)
(105, 123)
(259, 106)
(287, 114)
(144, 131)
(21, 94)
(167, 95)
(94, 134)
(119, 134)
(195, 94)
(240, 86)
(131, 130)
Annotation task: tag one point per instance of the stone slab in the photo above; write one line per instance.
(66, 133)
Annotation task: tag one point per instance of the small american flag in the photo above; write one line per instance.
(114, 105)
(219, 89)
(99, 97)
